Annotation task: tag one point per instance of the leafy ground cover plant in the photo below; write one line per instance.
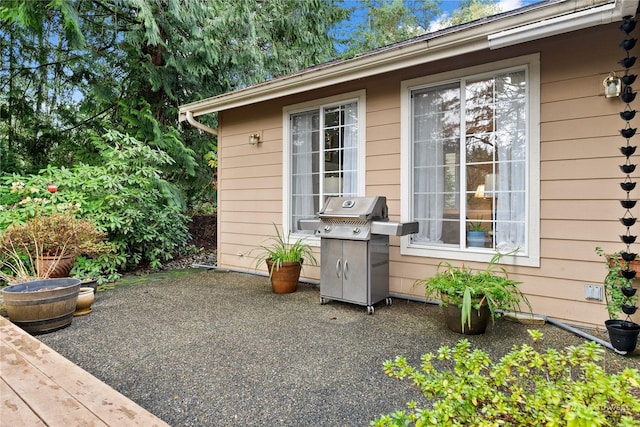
(464, 387)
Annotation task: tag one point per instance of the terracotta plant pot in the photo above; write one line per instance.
(285, 279)
(55, 266)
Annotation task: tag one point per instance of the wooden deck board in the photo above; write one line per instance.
(56, 391)
(15, 412)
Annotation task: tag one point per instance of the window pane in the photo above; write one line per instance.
(435, 119)
(496, 160)
(304, 176)
(341, 154)
(324, 158)
(511, 162)
(479, 105)
(492, 199)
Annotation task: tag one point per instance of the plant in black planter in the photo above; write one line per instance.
(620, 298)
(284, 260)
(470, 298)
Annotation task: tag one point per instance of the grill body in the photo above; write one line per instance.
(354, 249)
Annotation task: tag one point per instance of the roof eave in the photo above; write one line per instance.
(545, 21)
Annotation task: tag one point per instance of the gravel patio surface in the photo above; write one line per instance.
(207, 348)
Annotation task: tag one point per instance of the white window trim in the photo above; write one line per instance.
(532, 257)
(357, 96)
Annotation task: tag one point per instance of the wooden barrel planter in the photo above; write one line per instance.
(42, 306)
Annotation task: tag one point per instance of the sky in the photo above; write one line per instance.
(449, 6)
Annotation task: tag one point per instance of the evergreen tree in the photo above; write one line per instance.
(73, 69)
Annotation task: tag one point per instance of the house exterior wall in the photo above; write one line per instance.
(579, 175)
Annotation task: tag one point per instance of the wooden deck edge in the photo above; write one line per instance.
(106, 403)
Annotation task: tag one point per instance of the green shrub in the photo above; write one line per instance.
(126, 196)
(524, 388)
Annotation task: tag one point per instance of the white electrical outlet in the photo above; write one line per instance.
(593, 292)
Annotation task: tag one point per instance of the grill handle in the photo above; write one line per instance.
(346, 269)
(339, 268)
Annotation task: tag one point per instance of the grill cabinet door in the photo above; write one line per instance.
(331, 268)
(354, 271)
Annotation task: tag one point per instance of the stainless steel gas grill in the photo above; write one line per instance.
(354, 249)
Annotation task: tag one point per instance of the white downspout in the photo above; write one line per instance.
(193, 122)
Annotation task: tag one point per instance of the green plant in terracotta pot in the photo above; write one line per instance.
(40, 237)
(284, 260)
(47, 244)
(470, 298)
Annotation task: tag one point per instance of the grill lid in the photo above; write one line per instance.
(365, 208)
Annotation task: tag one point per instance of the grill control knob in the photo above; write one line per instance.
(356, 230)
(327, 228)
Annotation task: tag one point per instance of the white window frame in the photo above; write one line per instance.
(530, 256)
(356, 96)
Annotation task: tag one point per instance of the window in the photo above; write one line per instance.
(468, 159)
(323, 156)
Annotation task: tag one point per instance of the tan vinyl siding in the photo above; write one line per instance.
(579, 172)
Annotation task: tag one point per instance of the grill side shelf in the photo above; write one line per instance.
(394, 228)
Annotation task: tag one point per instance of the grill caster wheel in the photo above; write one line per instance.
(323, 301)
(388, 301)
(370, 309)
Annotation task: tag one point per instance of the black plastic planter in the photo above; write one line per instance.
(628, 291)
(623, 334)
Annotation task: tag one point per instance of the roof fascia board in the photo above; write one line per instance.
(416, 55)
(598, 15)
(474, 38)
